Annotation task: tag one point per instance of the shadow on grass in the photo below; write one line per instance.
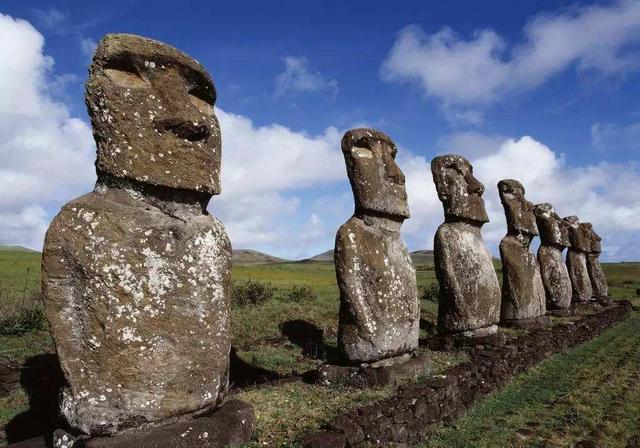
(242, 374)
(311, 340)
(42, 379)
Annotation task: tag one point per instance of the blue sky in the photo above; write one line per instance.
(545, 92)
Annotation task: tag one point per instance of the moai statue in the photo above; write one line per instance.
(596, 274)
(554, 238)
(379, 310)
(136, 273)
(469, 301)
(577, 261)
(523, 298)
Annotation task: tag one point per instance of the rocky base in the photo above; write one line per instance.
(482, 336)
(536, 323)
(561, 313)
(404, 418)
(230, 425)
(586, 307)
(387, 372)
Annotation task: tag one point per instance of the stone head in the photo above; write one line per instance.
(519, 211)
(579, 240)
(376, 180)
(595, 244)
(460, 192)
(151, 108)
(553, 229)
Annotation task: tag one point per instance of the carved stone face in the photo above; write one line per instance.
(460, 192)
(376, 180)
(594, 239)
(554, 231)
(577, 235)
(519, 211)
(151, 108)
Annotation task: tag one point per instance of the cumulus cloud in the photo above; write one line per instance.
(275, 157)
(298, 77)
(596, 193)
(47, 154)
(610, 137)
(263, 169)
(478, 70)
(88, 46)
(51, 18)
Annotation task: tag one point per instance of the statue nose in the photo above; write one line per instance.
(474, 186)
(394, 173)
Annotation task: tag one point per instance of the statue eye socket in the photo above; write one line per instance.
(202, 99)
(126, 77)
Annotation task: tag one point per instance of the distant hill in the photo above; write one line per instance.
(324, 256)
(418, 257)
(248, 256)
(16, 249)
(422, 256)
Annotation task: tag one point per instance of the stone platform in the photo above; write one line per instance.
(392, 371)
(561, 313)
(405, 417)
(586, 307)
(490, 336)
(536, 323)
(230, 425)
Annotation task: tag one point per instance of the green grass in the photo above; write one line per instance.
(19, 274)
(288, 410)
(588, 393)
(284, 413)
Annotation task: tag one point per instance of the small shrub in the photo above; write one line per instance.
(251, 292)
(430, 293)
(299, 294)
(638, 292)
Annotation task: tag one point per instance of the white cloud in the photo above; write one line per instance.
(88, 46)
(614, 137)
(52, 17)
(25, 226)
(275, 157)
(596, 193)
(297, 77)
(480, 69)
(46, 154)
(469, 144)
(261, 168)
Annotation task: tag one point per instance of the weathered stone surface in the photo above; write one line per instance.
(136, 273)
(151, 107)
(469, 289)
(596, 274)
(577, 261)
(554, 238)
(523, 294)
(388, 372)
(379, 311)
(230, 425)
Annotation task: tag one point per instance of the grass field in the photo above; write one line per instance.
(285, 411)
(589, 394)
